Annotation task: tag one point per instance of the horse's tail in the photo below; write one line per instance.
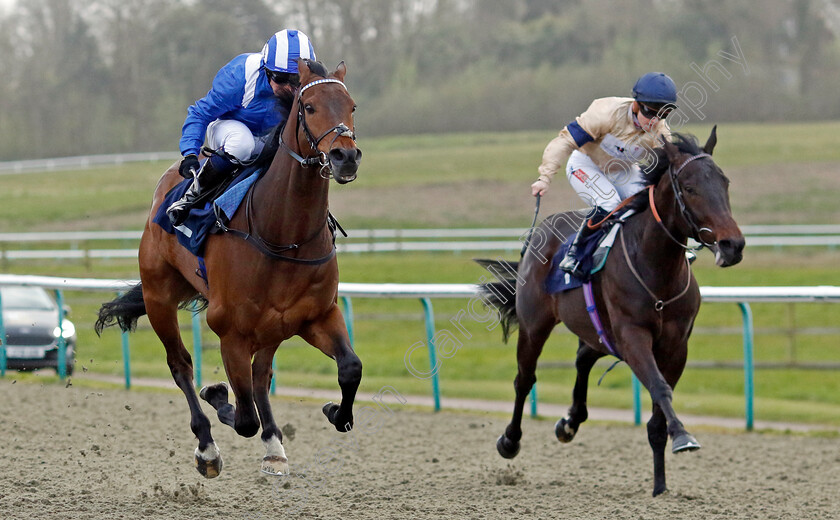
(123, 310)
(501, 294)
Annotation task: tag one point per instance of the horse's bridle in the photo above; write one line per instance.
(275, 251)
(685, 211)
(340, 130)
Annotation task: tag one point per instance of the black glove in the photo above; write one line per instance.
(189, 166)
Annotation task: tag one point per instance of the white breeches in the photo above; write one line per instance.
(597, 188)
(234, 139)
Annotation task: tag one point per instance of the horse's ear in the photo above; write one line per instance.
(340, 71)
(671, 151)
(710, 144)
(303, 70)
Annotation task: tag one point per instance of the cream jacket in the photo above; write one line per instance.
(608, 133)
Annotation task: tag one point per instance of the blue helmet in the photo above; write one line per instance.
(655, 87)
(282, 50)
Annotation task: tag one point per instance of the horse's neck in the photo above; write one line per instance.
(659, 252)
(291, 201)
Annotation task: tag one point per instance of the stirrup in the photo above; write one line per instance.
(569, 263)
(179, 210)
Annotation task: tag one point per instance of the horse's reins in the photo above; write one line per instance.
(659, 304)
(275, 251)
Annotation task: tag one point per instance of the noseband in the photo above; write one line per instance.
(340, 130)
(686, 213)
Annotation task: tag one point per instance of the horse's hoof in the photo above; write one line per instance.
(507, 448)
(217, 391)
(564, 431)
(208, 462)
(331, 412)
(684, 442)
(657, 492)
(275, 465)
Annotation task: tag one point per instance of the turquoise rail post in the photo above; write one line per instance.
(62, 343)
(534, 400)
(749, 364)
(2, 341)
(430, 336)
(348, 318)
(126, 353)
(273, 386)
(637, 401)
(196, 330)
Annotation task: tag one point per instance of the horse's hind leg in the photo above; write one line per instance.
(330, 336)
(163, 316)
(528, 350)
(566, 428)
(275, 461)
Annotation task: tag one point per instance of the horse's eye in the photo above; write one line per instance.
(309, 108)
(689, 189)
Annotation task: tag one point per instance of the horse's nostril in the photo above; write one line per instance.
(343, 156)
(337, 155)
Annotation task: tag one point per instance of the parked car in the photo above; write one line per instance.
(30, 317)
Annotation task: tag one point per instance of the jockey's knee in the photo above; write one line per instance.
(240, 146)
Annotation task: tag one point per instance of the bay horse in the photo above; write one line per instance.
(259, 292)
(646, 295)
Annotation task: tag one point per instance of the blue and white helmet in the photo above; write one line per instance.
(281, 51)
(655, 87)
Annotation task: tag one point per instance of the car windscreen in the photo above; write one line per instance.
(33, 298)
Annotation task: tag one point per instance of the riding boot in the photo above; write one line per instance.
(215, 169)
(571, 262)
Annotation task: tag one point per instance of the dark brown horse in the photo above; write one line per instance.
(646, 295)
(272, 276)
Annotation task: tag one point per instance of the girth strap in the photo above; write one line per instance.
(592, 309)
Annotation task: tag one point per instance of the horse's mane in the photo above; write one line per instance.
(317, 68)
(653, 171)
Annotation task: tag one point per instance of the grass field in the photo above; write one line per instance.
(481, 180)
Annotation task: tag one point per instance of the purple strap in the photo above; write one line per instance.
(589, 298)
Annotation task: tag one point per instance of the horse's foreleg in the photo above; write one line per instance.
(164, 320)
(638, 353)
(329, 335)
(528, 349)
(657, 430)
(236, 355)
(639, 356)
(275, 461)
(566, 428)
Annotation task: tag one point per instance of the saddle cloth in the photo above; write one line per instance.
(201, 221)
(595, 249)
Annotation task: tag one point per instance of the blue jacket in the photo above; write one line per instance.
(240, 91)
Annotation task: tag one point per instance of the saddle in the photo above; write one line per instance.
(594, 251)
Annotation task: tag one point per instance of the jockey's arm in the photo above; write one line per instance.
(586, 128)
(224, 96)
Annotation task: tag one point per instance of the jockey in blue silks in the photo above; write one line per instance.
(250, 96)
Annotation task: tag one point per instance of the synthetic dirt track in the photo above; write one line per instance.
(81, 453)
